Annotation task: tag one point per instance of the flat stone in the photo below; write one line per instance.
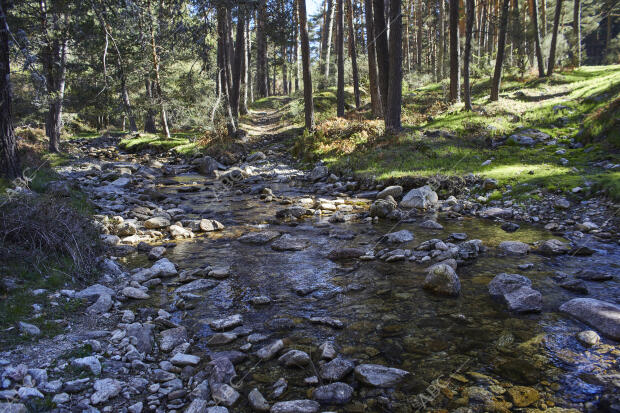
(334, 393)
(105, 389)
(94, 291)
(522, 396)
(135, 293)
(514, 247)
(288, 242)
(29, 329)
(172, 337)
(379, 376)
(258, 238)
(336, 370)
(295, 358)
(226, 323)
(196, 285)
(554, 247)
(603, 316)
(157, 223)
(181, 359)
(399, 237)
(271, 350)
(296, 406)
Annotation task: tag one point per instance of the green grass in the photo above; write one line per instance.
(184, 143)
(590, 95)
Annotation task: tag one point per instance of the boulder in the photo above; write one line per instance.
(515, 290)
(258, 238)
(514, 247)
(399, 237)
(603, 316)
(319, 172)
(442, 280)
(105, 389)
(336, 370)
(296, 406)
(554, 247)
(157, 223)
(394, 191)
(382, 207)
(333, 393)
(420, 198)
(172, 337)
(257, 401)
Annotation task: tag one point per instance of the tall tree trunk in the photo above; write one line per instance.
(440, 45)
(238, 63)
(262, 88)
(284, 70)
(392, 116)
(149, 117)
(543, 18)
(554, 38)
(420, 43)
(539, 56)
(577, 32)
(247, 81)
(127, 104)
(375, 98)
(454, 51)
(469, 27)
(9, 159)
(501, 43)
(305, 53)
(340, 54)
(353, 53)
(157, 80)
(327, 43)
(296, 47)
(383, 62)
(56, 91)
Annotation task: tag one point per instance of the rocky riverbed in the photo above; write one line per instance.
(244, 284)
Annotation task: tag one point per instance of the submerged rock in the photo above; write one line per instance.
(442, 280)
(334, 393)
(258, 238)
(379, 376)
(514, 247)
(516, 291)
(603, 316)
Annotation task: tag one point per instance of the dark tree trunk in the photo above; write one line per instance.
(127, 105)
(157, 80)
(554, 38)
(284, 70)
(262, 88)
(467, 56)
(383, 59)
(501, 43)
(247, 82)
(149, 117)
(375, 98)
(353, 53)
(454, 51)
(340, 54)
(305, 53)
(392, 116)
(296, 47)
(420, 43)
(440, 44)
(9, 159)
(577, 32)
(327, 43)
(539, 56)
(238, 63)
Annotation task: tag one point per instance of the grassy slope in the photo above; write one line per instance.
(591, 97)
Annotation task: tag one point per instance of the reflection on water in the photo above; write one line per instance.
(389, 318)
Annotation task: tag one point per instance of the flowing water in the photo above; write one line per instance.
(389, 319)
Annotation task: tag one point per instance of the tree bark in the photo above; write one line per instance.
(440, 45)
(262, 88)
(127, 104)
(577, 32)
(539, 57)
(454, 51)
(296, 47)
(9, 158)
(419, 42)
(238, 63)
(554, 38)
(243, 105)
(469, 27)
(305, 53)
(501, 43)
(375, 98)
(340, 54)
(543, 20)
(327, 43)
(383, 63)
(157, 80)
(149, 117)
(392, 117)
(353, 54)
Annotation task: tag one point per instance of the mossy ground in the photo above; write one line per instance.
(577, 105)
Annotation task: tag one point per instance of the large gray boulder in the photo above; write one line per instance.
(603, 316)
(516, 291)
(382, 207)
(420, 198)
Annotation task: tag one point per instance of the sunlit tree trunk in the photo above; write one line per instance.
(554, 38)
(353, 54)
(381, 41)
(392, 116)
(539, 56)
(305, 53)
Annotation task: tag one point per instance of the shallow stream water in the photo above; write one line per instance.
(389, 319)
